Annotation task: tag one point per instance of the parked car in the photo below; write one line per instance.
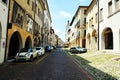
(78, 50)
(48, 49)
(54, 47)
(26, 54)
(40, 51)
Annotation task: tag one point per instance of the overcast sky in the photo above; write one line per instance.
(62, 11)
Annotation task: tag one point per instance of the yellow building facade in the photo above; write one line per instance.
(21, 23)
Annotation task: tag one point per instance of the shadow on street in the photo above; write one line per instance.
(98, 74)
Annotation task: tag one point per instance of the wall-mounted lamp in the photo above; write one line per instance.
(92, 26)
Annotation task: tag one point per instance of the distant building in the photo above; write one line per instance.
(76, 30)
(39, 22)
(52, 37)
(47, 24)
(4, 6)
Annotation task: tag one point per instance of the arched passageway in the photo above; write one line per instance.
(14, 45)
(28, 42)
(88, 40)
(94, 39)
(108, 38)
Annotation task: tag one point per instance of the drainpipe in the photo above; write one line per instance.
(5, 56)
(98, 24)
(34, 25)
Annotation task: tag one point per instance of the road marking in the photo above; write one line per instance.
(41, 59)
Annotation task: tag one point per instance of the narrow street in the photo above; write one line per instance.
(56, 65)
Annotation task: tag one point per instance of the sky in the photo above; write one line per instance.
(61, 11)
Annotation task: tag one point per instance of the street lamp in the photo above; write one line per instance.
(98, 23)
(92, 26)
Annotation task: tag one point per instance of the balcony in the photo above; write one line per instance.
(78, 23)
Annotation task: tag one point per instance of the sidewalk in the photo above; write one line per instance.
(104, 65)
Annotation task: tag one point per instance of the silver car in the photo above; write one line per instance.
(78, 50)
(26, 54)
(40, 51)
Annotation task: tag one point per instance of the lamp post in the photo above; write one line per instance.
(98, 23)
(5, 56)
(92, 26)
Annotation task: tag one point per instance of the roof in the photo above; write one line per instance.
(77, 13)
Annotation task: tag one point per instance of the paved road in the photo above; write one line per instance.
(55, 66)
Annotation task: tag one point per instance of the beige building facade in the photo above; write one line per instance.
(47, 24)
(76, 30)
(39, 22)
(92, 26)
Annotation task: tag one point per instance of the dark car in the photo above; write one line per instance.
(78, 50)
(48, 49)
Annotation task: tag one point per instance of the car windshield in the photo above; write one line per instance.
(38, 48)
(78, 47)
(26, 50)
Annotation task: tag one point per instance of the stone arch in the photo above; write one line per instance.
(88, 40)
(94, 40)
(94, 33)
(28, 42)
(107, 38)
(15, 44)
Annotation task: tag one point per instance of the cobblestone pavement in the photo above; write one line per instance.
(56, 65)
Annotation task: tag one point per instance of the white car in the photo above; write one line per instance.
(26, 54)
(40, 51)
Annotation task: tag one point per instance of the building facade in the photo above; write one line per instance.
(76, 30)
(92, 26)
(47, 24)
(4, 6)
(109, 25)
(39, 22)
(20, 32)
(53, 38)
(27, 25)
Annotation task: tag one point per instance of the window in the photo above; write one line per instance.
(110, 8)
(36, 8)
(96, 17)
(28, 2)
(84, 20)
(38, 12)
(92, 21)
(117, 4)
(33, 6)
(101, 14)
(4, 1)
(85, 11)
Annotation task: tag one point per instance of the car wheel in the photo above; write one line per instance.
(31, 58)
(37, 55)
